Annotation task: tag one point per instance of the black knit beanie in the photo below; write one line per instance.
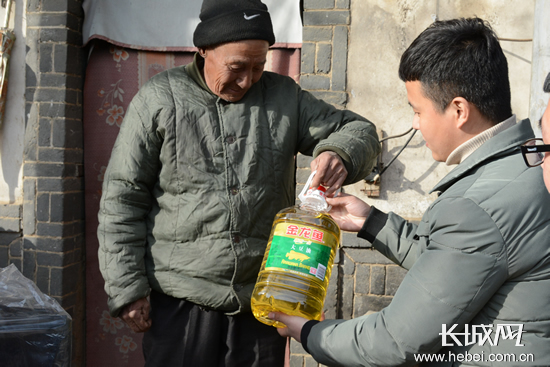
(233, 20)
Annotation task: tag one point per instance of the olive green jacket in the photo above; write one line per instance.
(479, 256)
(194, 183)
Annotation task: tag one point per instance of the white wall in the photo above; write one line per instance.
(12, 129)
(541, 61)
(380, 32)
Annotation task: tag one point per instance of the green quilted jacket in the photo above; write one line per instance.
(479, 256)
(194, 183)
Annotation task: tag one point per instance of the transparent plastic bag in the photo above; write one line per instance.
(34, 329)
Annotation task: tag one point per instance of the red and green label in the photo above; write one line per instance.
(300, 249)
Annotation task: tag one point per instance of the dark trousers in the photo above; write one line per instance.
(183, 334)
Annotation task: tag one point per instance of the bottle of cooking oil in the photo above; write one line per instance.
(297, 264)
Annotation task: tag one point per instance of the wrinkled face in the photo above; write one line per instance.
(545, 126)
(434, 125)
(230, 69)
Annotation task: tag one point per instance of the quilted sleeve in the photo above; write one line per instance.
(125, 203)
(324, 127)
(463, 265)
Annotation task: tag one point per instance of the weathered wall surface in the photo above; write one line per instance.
(12, 129)
(541, 60)
(380, 32)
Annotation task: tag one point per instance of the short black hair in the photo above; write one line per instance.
(546, 86)
(460, 58)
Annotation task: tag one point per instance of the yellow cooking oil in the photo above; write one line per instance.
(297, 264)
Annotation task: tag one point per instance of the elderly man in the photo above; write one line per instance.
(204, 160)
(535, 151)
(545, 126)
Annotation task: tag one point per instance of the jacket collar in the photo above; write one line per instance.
(194, 71)
(505, 143)
(468, 147)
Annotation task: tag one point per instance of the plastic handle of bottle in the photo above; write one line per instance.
(302, 195)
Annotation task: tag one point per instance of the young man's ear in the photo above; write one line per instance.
(462, 110)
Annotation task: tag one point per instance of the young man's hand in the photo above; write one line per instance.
(293, 324)
(349, 212)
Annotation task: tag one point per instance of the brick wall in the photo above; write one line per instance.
(362, 280)
(10, 235)
(49, 248)
(324, 49)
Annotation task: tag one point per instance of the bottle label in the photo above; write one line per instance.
(301, 249)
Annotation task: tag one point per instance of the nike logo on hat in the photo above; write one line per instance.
(248, 17)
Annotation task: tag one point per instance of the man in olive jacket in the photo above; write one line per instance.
(477, 292)
(204, 160)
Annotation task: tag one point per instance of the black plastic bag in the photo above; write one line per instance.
(34, 329)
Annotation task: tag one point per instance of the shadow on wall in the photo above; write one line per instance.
(395, 175)
(404, 183)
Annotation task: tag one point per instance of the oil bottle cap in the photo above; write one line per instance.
(313, 198)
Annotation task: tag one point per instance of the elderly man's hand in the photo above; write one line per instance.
(331, 172)
(136, 315)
